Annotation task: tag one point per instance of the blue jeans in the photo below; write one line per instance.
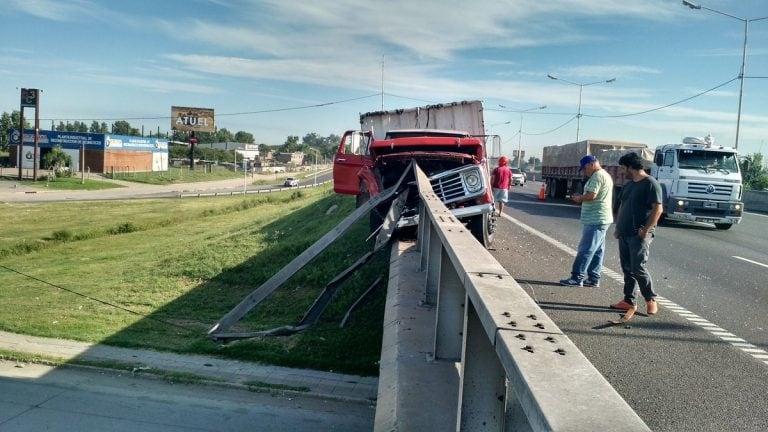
(589, 258)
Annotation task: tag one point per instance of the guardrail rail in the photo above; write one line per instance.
(465, 348)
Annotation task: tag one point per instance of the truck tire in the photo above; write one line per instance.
(723, 226)
(551, 185)
(482, 227)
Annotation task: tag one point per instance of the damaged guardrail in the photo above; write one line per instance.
(516, 369)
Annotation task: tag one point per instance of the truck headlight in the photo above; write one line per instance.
(737, 206)
(680, 203)
(473, 181)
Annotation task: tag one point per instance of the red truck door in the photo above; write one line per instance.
(351, 157)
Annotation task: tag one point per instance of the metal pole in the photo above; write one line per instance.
(520, 141)
(21, 139)
(36, 158)
(741, 82)
(578, 114)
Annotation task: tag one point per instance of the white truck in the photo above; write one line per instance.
(700, 182)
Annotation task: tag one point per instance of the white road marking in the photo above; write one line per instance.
(750, 261)
(755, 214)
(713, 329)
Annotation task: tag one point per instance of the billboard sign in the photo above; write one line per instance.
(192, 119)
(29, 98)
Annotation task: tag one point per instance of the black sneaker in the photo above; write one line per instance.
(571, 282)
(591, 283)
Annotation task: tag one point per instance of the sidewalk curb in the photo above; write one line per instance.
(211, 370)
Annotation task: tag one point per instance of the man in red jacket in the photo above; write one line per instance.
(500, 179)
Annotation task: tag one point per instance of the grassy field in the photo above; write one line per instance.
(70, 183)
(159, 273)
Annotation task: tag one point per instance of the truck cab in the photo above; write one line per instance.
(700, 182)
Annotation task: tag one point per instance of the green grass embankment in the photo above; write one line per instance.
(180, 265)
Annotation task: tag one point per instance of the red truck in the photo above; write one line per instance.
(446, 140)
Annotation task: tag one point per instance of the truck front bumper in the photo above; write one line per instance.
(463, 212)
(698, 210)
(459, 213)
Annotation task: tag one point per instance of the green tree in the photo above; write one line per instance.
(753, 174)
(5, 126)
(245, 137)
(8, 122)
(58, 161)
(534, 163)
(291, 145)
(122, 127)
(224, 135)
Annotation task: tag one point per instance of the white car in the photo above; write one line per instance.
(518, 177)
(291, 182)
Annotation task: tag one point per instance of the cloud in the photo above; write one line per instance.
(62, 11)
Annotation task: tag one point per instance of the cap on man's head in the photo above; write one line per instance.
(586, 160)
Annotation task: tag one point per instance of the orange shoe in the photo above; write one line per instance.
(651, 307)
(623, 305)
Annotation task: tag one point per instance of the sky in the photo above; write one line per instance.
(278, 68)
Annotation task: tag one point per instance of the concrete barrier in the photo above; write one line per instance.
(756, 201)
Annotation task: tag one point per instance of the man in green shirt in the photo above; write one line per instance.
(596, 217)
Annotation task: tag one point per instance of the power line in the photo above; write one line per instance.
(552, 130)
(665, 106)
(221, 115)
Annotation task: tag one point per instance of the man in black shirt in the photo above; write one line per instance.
(639, 211)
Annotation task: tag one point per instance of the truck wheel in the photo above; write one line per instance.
(552, 188)
(482, 227)
(723, 226)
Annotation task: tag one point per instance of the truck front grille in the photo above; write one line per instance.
(708, 189)
(451, 186)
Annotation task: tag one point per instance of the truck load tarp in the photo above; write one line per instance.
(611, 157)
(466, 116)
(569, 155)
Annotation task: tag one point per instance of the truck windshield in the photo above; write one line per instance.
(708, 160)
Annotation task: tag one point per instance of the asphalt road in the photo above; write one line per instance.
(41, 398)
(11, 191)
(701, 363)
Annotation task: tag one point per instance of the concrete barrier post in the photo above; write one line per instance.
(450, 312)
(420, 229)
(482, 390)
(434, 259)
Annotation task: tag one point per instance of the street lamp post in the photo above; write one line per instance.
(743, 57)
(581, 87)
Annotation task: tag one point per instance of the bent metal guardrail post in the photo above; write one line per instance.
(219, 331)
(513, 358)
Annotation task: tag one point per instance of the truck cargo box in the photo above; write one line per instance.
(466, 116)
